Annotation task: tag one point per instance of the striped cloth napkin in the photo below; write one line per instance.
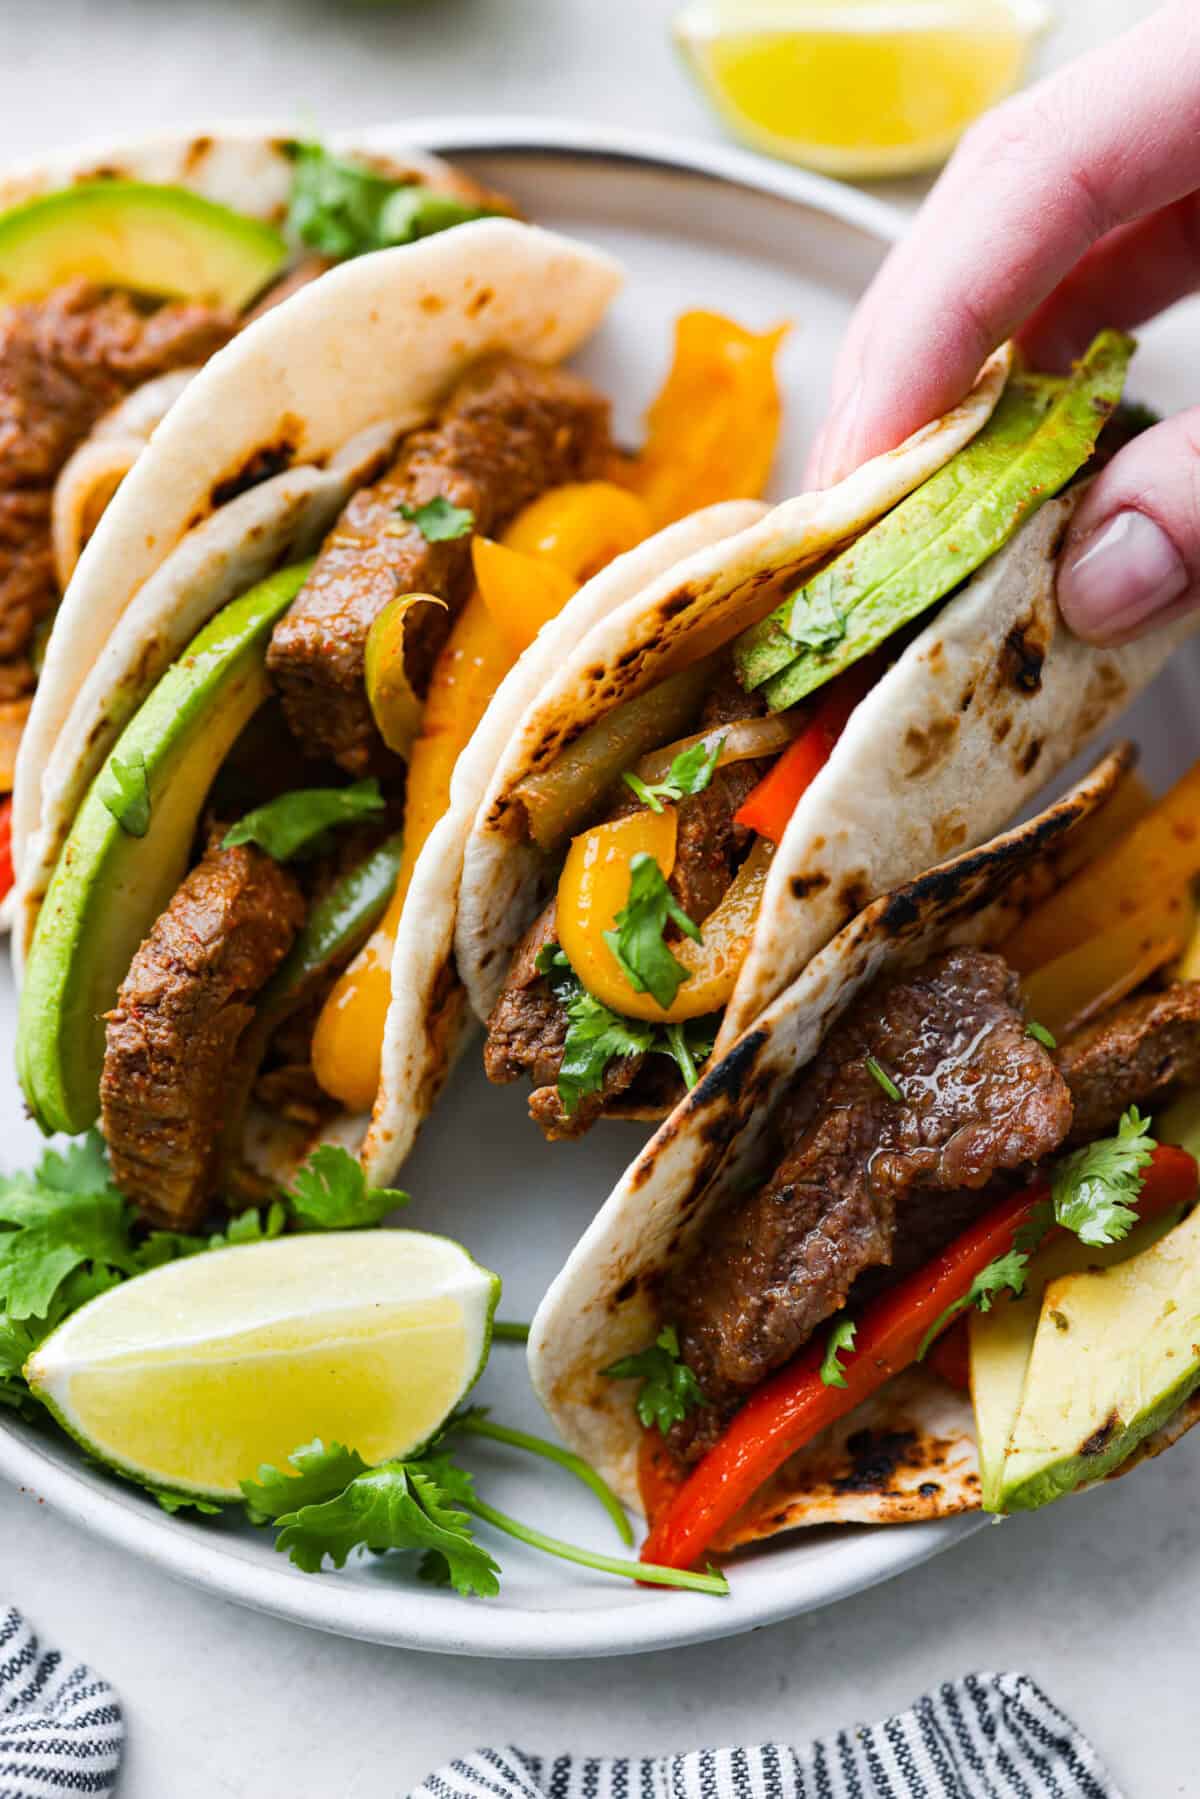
(989, 1736)
(60, 1725)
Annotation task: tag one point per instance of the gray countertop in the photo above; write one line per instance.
(1099, 1600)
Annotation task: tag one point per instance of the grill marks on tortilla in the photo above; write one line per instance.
(509, 431)
(64, 362)
(173, 1036)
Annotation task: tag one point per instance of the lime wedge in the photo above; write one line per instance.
(857, 87)
(191, 1376)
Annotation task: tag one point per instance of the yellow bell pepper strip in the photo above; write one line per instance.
(592, 889)
(348, 1040)
(580, 527)
(1080, 986)
(395, 706)
(712, 431)
(715, 962)
(520, 592)
(1148, 872)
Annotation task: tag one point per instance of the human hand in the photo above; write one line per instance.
(1073, 206)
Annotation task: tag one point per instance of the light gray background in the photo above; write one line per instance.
(1100, 1600)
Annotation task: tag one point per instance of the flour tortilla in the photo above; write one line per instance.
(429, 1018)
(373, 346)
(377, 341)
(985, 706)
(908, 1453)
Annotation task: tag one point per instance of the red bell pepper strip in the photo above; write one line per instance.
(771, 803)
(950, 1356)
(790, 1408)
(7, 876)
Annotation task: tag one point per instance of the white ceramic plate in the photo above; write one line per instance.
(695, 227)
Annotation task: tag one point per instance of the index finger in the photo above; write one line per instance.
(1032, 186)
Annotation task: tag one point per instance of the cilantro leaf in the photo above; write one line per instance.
(439, 520)
(298, 824)
(1095, 1189)
(841, 1340)
(257, 1225)
(637, 942)
(125, 792)
(669, 1389)
(815, 622)
(687, 1044)
(1004, 1275)
(65, 1216)
(330, 1193)
(400, 1505)
(1041, 1035)
(690, 772)
(320, 1475)
(179, 1502)
(343, 210)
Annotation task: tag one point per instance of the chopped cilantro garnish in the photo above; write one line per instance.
(669, 1389)
(439, 520)
(841, 1340)
(815, 622)
(125, 793)
(331, 1193)
(298, 824)
(1005, 1275)
(637, 942)
(1095, 1189)
(882, 1078)
(690, 772)
(1041, 1035)
(342, 209)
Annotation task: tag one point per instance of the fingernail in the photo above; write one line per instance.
(1120, 577)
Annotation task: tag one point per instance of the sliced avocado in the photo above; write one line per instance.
(113, 879)
(1042, 432)
(1002, 1340)
(1117, 1351)
(153, 239)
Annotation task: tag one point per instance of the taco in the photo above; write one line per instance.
(779, 730)
(123, 268)
(255, 704)
(764, 1327)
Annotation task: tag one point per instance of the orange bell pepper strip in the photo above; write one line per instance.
(592, 889)
(712, 431)
(7, 876)
(13, 715)
(1148, 871)
(770, 805)
(348, 1041)
(790, 1408)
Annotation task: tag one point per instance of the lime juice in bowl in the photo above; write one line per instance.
(857, 88)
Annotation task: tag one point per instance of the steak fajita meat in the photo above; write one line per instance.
(173, 1035)
(978, 1096)
(64, 361)
(510, 430)
(1131, 1057)
(527, 1030)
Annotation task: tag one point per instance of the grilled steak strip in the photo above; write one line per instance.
(527, 1030)
(510, 430)
(978, 1096)
(1131, 1057)
(64, 362)
(173, 1035)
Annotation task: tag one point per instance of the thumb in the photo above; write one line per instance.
(1132, 560)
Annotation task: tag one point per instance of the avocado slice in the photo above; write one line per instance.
(1001, 1342)
(113, 878)
(1042, 432)
(1117, 1351)
(153, 239)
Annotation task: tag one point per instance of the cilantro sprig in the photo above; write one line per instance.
(1095, 1189)
(342, 209)
(1006, 1274)
(637, 942)
(669, 1389)
(690, 772)
(597, 1036)
(841, 1342)
(299, 824)
(439, 520)
(125, 792)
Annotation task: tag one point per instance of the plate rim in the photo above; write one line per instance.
(123, 1518)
